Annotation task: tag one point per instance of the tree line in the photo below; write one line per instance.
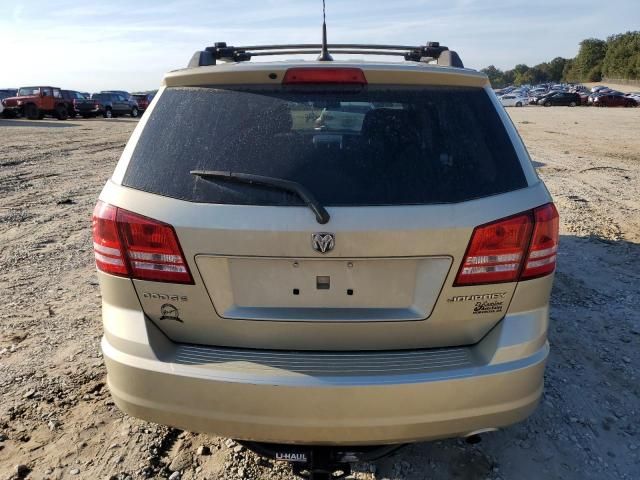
(616, 57)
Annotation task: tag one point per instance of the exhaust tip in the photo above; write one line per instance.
(475, 437)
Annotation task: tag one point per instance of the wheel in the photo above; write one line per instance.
(31, 112)
(108, 113)
(547, 104)
(61, 112)
(519, 104)
(134, 112)
(572, 104)
(71, 113)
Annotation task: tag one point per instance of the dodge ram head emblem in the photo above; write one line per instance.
(323, 242)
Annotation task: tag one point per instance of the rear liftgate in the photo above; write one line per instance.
(316, 462)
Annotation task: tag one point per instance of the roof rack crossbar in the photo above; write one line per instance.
(428, 52)
(331, 45)
(312, 51)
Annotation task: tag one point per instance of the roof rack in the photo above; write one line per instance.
(422, 53)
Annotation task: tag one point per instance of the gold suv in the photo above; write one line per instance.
(326, 252)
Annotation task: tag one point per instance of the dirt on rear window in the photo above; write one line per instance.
(368, 146)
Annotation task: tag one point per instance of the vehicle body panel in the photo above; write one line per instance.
(352, 398)
(266, 232)
(406, 357)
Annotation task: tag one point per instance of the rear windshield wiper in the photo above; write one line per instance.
(322, 216)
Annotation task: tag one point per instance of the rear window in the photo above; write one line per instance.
(374, 146)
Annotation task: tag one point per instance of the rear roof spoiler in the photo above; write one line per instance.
(422, 53)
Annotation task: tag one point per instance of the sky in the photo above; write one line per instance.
(128, 45)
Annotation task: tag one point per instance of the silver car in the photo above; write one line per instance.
(273, 277)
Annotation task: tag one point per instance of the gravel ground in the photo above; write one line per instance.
(56, 417)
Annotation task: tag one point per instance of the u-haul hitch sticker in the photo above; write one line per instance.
(291, 457)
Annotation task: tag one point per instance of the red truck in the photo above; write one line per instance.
(36, 102)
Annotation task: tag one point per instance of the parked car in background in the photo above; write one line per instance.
(584, 97)
(537, 91)
(539, 100)
(114, 104)
(564, 99)
(511, 100)
(124, 93)
(36, 102)
(71, 98)
(5, 93)
(634, 95)
(8, 92)
(87, 107)
(616, 99)
(143, 100)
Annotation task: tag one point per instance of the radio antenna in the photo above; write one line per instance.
(324, 56)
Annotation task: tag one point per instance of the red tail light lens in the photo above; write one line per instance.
(324, 75)
(147, 249)
(497, 250)
(152, 249)
(544, 243)
(106, 242)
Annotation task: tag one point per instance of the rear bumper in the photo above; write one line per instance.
(346, 398)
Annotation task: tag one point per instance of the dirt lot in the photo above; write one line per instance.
(56, 417)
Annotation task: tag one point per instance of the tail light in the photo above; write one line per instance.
(515, 248)
(106, 241)
(130, 245)
(324, 75)
(544, 243)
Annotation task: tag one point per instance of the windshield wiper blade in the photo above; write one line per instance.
(322, 216)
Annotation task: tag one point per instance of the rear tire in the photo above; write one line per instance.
(572, 104)
(134, 112)
(32, 112)
(546, 104)
(108, 113)
(519, 104)
(61, 112)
